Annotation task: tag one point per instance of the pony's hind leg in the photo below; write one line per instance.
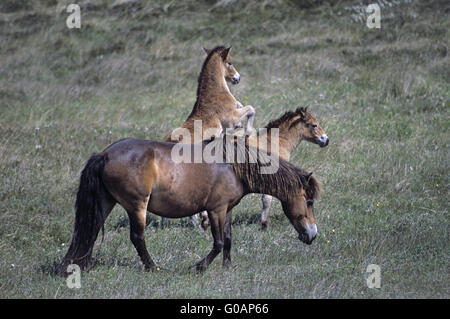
(205, 221)
(227, 241)
(217, 220)
(137, 235)
(267, 202)
(164, 222)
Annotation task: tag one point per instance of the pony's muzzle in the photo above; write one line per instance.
(309, 234)
(323, 140)
(236, 78)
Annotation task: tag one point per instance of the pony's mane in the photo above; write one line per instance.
(300, 111)
(202, 72)
(283, 184)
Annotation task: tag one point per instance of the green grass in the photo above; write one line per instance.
(381, 95)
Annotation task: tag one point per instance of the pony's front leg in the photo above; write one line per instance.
(203, 225)
(205, 221)
(249, 112)
(266, 201)
(217, 220)
(164, 222)
(238, 125)
(194, 220)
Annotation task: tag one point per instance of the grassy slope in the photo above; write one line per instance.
(381, 95)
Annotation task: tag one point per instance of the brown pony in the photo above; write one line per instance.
(141, 175)
(293, 127)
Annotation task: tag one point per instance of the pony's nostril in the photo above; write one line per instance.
(323, 140)
(236, 78)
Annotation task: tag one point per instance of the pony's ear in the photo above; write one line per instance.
(207, 51)
(309, 177)
(225, 53)
(301, 111)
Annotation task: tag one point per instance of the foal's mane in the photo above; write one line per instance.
(300, 111)
(217, 49)
(283, 184)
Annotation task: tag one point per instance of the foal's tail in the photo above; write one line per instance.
(88, 214)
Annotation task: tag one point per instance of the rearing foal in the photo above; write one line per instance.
(141, 175)
(215, 107)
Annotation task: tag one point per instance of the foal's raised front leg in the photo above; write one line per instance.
(249, 112)
(217, 220)
(238, 125)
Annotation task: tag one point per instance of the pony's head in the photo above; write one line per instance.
(223, 56)
(311, 130)
(300, 210)
(293, 186)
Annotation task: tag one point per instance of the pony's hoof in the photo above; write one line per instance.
(151, 268)
(238, 126)
(227, 264)
(199, 267)
(264, 226)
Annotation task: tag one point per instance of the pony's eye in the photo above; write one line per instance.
(228, 64)
(313, 126)
(309, 203)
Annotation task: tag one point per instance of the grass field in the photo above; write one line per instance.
(382, 96)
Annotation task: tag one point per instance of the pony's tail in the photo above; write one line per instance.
(88, 214)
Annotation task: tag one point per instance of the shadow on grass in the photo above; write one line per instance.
(246, 219)
(50, 268)
(101, 260)
(155, 221)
